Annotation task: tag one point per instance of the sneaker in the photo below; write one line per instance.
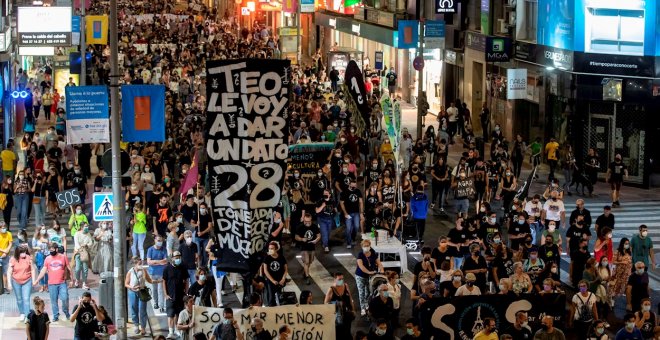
(363, 312)
(156, 307)
(21, 317)
(137, 329)
(442, 210)
(85, 286)
(56, 319)
(349, 246)
(432, 205)
(68, 316)
(326, 250)
(171, 336)
(162, 309)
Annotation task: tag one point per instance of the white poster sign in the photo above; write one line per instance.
(82, 131)
(306, 321)
(516, 83)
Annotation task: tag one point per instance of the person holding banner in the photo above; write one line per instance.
(228, 329)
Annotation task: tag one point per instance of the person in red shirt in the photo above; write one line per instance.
(57, 267)
(21, 270)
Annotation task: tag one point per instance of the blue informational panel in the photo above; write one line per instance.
(87, 118)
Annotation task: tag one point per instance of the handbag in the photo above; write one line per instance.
(84, 254)
(144, 294)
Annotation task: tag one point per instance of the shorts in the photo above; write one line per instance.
(307, 256)
(615, 184)
(462, 205)
(173, 308)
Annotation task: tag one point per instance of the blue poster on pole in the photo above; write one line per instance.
(87, 119)
(378, 63)
(143, 113)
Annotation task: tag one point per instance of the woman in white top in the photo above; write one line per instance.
(83, 242)
(148, 179)
(394, 289)
(135, 280)
(469, 288)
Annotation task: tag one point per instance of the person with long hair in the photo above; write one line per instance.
(40, 247)
(603, 246)
(8, 191)
(623, 267)
(136, 279)
(21, 271)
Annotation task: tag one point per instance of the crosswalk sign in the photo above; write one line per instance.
(103, 208)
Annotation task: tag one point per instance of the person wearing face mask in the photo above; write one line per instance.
(519, 230)
(318, 185)
(580, 210)
(340, 295)
(204, 228)
(470, 287)
(458, 238)
(77, 219)
(343, 180)
(203, 288)
(629, 331)
(647, 321)
(583, 310)
(616, 172)
(439, 183)
(22, 272)
(603, 246)
(533, 266)
(136, 279)
(642, 247)
(82, 245)
(373, 173)
(623, 264)
(56, 265)
(413, 330)
(508, 184)
(463, 191)
(598, 330)
(380, 331)
(476, 264)
(381, 306)
(579, 257)
(419, 206)
(22, 185)
(326, 210)
(549, 251)
(368, 264)
(228, 329)
(308, 236)
(175, 284)
(606, 220)
(553, 210)
(157, 261)
(189, 254)
(275, 270)
(352, 206)
(7, 192)
(551, 151)
(257, 331)
(103, 260)
(185, 322)
(520, 328)
(637, 288)
(161, 215)
(548, 331)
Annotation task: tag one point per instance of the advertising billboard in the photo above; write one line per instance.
(600, 26)
(44, 26)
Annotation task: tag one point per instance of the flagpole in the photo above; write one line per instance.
(83, 46)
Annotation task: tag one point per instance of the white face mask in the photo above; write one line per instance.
(188, 240)
(366, 249)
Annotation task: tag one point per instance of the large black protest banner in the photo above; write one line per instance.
(247, 131)
(463, 317)
(355, 84)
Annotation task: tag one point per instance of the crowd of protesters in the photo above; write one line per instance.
(514, 250)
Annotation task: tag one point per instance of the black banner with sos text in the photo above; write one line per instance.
(247, 147)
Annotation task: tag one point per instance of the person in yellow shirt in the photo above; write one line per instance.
(551, 153)
(6, 241)
(9, 161)
(489, 332)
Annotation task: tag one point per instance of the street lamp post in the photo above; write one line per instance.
(119, 254)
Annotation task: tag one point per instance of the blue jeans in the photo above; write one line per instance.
(191, 273)
(363, 291)
(352, 226)
(22, 292)
(462, 206)
(201, 247)
(157, 291)
(138, 309)
(458, 261)
(537, 231)
(60, 291)
(81, 270)
(138, 245)
(326, 224)
(39, 211)
(21, 204)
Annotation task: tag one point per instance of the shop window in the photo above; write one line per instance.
(531, 13)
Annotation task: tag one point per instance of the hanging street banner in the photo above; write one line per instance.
(247, 146)
(143, 113)
(463, 317)
(96, 27)
(306, 321)
(87, 114)
(516, 87)
(308, 158)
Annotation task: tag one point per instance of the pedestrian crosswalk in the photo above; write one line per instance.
(629, 216)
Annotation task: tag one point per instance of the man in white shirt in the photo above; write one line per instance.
(553, 210)
(185, 322)
(452, 118)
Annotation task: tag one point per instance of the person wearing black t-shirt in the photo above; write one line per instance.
(458, 239)
(84, 315)
(520, 329)
(343, 179)
(615, 174)
(575, 234)
(203, 287)
(189, 254)
(38, 322)
(352, 206)
(443, 253)
(372, 174)
(203, 228)
(308, 236)
(175, 280)
(319, 183)
(518, 230)
(162, 215)
(417, 176)
(189, 210)
(325, 216)
(549, 251)
(371, 198)
(275, 270)
(606, 220)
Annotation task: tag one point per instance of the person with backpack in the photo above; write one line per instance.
(419, 206)
(583, 310)
(340, 296)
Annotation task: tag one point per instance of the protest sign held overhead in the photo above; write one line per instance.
(247, 130)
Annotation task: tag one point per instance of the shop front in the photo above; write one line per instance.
(474, 74)
(342, 33)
